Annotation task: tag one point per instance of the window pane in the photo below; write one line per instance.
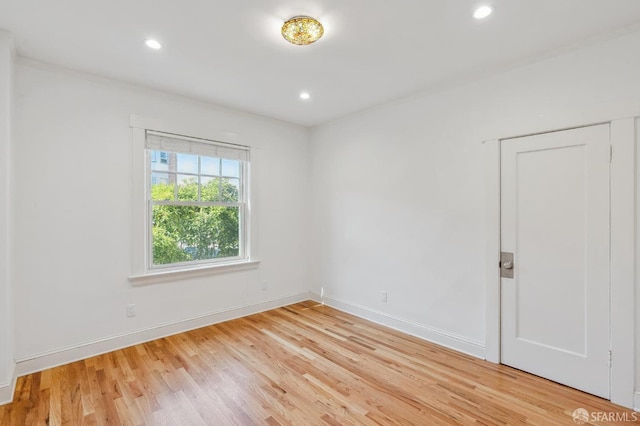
(187, 188)
(209, 189)
(162, 185)
(230, 190)
(210, 166)
(187, 163)
(159, 160)
(186, 233)
(230, 168)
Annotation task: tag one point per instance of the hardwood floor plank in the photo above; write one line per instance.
(304, 364)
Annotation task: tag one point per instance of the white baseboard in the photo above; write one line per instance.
(67, 355)
(442, 338)
(7, 389)
(636, 401)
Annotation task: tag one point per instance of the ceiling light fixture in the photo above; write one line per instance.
(305, 95)
(482, 12)
(302, 30)
(153, 44)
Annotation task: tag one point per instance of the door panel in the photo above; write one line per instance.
(555, 219)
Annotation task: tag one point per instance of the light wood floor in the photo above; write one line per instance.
(304, 364)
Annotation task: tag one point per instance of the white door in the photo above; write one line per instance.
(555, 221)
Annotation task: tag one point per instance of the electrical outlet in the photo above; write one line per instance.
(265, 285)
(131, 310)
(384, 296)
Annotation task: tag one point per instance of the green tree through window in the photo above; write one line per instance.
(197, 203)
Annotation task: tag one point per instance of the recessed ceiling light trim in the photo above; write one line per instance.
(482, 12)
(302, 30)
(153, 44)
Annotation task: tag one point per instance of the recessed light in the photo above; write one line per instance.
(305, 95)
(153, 44)
(482, 12)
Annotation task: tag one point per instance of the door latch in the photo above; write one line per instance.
(506, 265)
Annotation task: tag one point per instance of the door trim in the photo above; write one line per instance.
(622, 232)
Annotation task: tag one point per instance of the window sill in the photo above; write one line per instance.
(181, 274)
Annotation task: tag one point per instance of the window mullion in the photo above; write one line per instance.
(242, 179)
(199, 177)
(197, 203)
(174, 165)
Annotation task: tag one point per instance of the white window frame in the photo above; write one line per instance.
(240, 204)
(144, 272)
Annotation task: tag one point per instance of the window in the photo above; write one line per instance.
(196, 201)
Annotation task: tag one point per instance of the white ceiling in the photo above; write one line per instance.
(230, 52)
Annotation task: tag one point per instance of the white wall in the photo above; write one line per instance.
(399, 189)
(73, 210)
(397, 200)
(6, 326)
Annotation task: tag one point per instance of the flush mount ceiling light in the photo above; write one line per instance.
(305, 96)
(302, 30)
(482, 12)
(153, 44)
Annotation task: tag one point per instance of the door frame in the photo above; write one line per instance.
(621, 117)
